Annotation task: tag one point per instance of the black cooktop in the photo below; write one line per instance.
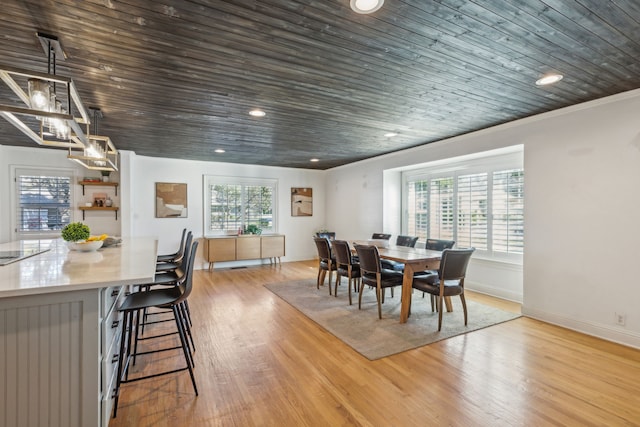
(7, 257)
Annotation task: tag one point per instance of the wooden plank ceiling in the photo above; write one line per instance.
(177, 78)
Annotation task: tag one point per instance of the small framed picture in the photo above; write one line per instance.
(99, 200)
(301, 201)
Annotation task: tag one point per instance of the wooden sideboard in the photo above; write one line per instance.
(237, 248)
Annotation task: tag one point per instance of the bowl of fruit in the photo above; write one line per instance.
(79, 238)
(86, 246)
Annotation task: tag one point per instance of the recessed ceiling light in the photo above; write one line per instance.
(390, 134)
(314, 160)
(366, 6)
(219, 150)
(257, 113)
(549, 79)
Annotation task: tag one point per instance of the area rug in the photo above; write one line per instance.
(375, 338)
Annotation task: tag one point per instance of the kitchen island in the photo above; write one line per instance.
(59, 329)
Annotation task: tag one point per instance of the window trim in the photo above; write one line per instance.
(209, 180)
(489, 163)
(15, 170)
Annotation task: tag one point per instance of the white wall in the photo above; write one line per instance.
(582, 219)
(582, 171)
(144, 172)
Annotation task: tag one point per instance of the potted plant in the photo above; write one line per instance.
(76, 232)
(252, 229)
(77, 235)
(105, 175)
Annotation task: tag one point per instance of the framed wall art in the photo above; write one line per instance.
(301, 201)
(171, 200)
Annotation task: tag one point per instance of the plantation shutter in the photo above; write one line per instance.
(508, 211)
(43, 201)
(472, 211)
(441, 219)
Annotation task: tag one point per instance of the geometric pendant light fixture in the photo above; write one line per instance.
(47, 107)
(99, 153)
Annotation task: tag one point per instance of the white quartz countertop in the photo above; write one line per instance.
(60, 269)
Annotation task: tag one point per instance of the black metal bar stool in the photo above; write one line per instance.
(165, 297)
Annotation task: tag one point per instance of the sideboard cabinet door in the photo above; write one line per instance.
(248, 247)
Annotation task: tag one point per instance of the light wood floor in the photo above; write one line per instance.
(259, 362)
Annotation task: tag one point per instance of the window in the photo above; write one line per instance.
(234, 203)
(508, 211)
(43, 202)
(477, 203)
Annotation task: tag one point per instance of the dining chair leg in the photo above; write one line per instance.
(338, 277)
(378, 298)
(440, 301)
(349, 286)
(464, 308)
(330, 274)
(360, 296)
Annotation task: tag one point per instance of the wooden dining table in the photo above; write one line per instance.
(414, 260)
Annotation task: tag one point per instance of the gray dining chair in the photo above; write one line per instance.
(372, 274)
(406, 241)
(449, 281)
(326, 261)
(347, 266)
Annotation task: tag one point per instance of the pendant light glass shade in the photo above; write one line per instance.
(39, 94)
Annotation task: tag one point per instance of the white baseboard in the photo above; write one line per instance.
(493, 291)
(606, 332)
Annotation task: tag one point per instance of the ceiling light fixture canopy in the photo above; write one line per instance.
(366, 6)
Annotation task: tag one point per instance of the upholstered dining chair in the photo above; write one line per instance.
(374, 275)
(347, 266)
(381, 236)
(439, 245)
(435, 245)
(326, 261)
(331, 235)
(407, 241)
(449, 281)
